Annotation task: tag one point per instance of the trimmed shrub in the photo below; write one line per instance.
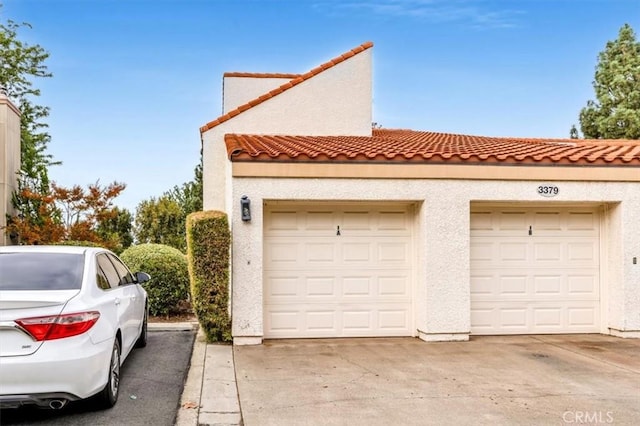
(208, 248)
(169, 283)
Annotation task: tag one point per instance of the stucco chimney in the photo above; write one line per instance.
(9, 158)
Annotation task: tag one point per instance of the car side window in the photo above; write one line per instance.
(101, 279)
(123, 272)
(108, 270)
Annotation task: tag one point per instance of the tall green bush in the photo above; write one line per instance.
(208, 247)
(168, 287)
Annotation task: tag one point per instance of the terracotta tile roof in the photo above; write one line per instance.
(390, 145)
(261, 75)
(286, 86)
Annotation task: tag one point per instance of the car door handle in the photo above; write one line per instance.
(117, 301)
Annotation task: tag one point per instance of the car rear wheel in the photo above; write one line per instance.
(142, 339)
(109, 395)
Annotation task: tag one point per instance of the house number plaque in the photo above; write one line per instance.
(547, 190)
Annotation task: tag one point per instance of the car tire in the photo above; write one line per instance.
(142, 339)
(109, 395)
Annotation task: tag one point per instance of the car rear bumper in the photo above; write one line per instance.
(69, 369)
(45, 400)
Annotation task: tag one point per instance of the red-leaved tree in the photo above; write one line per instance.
(65, 214)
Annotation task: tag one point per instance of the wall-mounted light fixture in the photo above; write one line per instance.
(245, 208)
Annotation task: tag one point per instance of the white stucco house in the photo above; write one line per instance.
(357, 231)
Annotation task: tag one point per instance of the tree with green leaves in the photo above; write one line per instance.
(163, 220)
(189, 194)
(117, 227)
(616, 112)
(160, 221)
(20, 64)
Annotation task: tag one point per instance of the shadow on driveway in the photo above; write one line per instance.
(505, 380)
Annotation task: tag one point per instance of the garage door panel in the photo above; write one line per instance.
(394, 221)
(511, 220)
(512, 251)
(320, 221)
(583, 316)
(319, 252)
(282, 221)
(284, 321)
(548, 221)
(543, 281)
(482, 285)
(357, 252)
(357, 286)
(325, 281)
(548, 251)
(283, 287)
(515, 284)
(481, 222)
(396, 253)
(582, 221)
(394, 320)
(394, 286)
(356, 221)
(283, 252)
(586, 285)
(349, 320)
(582, 251)
(535, 317)
(481, 251)
(321, 321)
(320, 287)
(526, 252)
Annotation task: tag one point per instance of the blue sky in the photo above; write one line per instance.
(134, 80)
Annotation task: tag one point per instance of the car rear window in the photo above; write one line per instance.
(40, 271)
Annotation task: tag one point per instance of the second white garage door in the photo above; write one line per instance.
(337, 270)
(535, 270)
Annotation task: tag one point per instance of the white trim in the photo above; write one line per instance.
(247, 340)
(443, 337)
(625, 334)
(604, 267)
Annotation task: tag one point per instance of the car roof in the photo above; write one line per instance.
(51, 249)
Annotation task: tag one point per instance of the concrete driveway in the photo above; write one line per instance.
(516, 380)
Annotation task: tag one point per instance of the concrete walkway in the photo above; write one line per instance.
(210, 395)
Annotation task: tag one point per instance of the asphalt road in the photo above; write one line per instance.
(151, 385)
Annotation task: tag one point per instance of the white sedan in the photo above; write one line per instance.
(69, 316)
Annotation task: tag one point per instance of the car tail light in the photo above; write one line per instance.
(58, 326)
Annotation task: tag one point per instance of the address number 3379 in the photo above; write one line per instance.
(548, 190)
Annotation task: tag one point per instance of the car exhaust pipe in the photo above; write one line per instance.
(57, 404)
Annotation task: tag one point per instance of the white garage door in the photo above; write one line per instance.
(337, 270)
(534, 270)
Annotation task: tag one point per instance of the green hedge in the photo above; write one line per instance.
(168, 287)
(208, 248)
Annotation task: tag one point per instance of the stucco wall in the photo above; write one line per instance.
(442, 287)
(9, 159)
(237, 91)
(337, 101)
